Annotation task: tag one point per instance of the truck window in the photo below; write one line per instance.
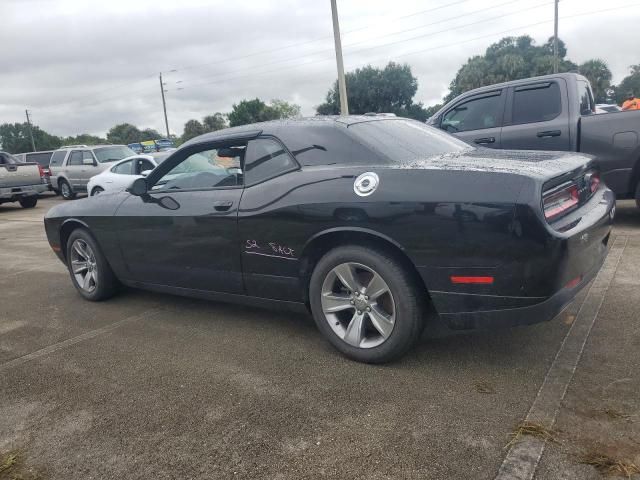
(536, 103)
(585, 97)
(475, 114)
(58, 157)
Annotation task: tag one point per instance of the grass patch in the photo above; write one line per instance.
(533, 429)
(8, 461)
(609, 466)
(12, 468)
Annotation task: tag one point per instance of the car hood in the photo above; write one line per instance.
(527, 163)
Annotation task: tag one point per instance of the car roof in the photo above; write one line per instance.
(271, 127)
(87, 147)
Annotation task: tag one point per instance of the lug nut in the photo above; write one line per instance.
(352, 302)
(366, 297)
(368, 309)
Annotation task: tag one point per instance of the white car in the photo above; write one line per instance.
(122, 174)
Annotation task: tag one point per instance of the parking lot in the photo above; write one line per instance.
(154, 386)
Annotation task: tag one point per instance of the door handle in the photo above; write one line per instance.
(222, 206)
(549, 133)
(485, 140)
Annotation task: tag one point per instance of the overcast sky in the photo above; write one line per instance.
(84, 65)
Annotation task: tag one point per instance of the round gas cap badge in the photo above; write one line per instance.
(366, 184)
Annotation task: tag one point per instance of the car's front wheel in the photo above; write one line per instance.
(66, 191)
(90, 272)
(366, 303)
(96, 191)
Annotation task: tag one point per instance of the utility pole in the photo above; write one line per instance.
(342, 85)
(555, 38)
(164, 105)
(33, 144)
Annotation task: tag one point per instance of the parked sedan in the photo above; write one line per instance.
(258, 214)
(120, 176)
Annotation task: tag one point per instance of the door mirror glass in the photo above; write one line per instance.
(138, 187)
(145, 173)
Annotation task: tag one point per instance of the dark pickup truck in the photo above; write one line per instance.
(553, 112)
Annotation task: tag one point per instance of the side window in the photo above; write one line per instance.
(475, 114)
(75, 158)
(87, 155)
(536, 103)
(58, 157)
(266, 159)
(212, 168)
(124, 168)
(142, 165)
(585, 97)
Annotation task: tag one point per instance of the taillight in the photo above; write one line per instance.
(560, 201)
(41, 170)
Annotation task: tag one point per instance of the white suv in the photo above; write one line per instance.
(72, 166)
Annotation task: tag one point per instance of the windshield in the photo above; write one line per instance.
(112, 154)
(403, 140)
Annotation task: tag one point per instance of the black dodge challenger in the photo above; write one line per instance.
(370, 222)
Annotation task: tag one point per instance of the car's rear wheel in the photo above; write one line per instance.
(66, 191)
(90, 272)
(96, 191)
(366, 303)
(28, 202)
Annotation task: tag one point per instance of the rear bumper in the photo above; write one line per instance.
(14, 193)
(568, 262)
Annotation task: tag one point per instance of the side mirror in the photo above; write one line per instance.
(145, 173)
(88, 161)
(138, 187)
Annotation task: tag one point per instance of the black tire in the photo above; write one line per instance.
(407, 297)
(66, 191)
(106, 284)
(97, 191)
(28, 202)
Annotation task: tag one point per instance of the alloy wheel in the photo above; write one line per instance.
(65, 189)
(358, 305)
(83, 265)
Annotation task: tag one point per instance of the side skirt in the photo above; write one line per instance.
(297, 307)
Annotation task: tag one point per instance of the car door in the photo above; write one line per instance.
(120, 176)
(477, 119)
(183, 232)
(74, 169)
(537, 117)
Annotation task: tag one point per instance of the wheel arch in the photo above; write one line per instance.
(318, 245)
(66, 228)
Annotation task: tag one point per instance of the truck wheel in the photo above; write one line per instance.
(28, 202)
(366, 304)
(90, 272)
(66, 191)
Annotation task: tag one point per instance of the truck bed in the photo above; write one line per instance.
(19, 175)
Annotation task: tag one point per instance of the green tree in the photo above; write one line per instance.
(14, 138)
(599, 75)
(629, 83)
(192, 128)
(83, 139)
(251, 111)
(371, 89)
(285, 109)
(149, 134)
(511, 58)
(214, 122)
(124, 133)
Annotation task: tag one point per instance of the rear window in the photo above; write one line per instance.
(58, 157)
(112, 154)
(401, 141)
(42, 158)
(585, 97)
(536, 103)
